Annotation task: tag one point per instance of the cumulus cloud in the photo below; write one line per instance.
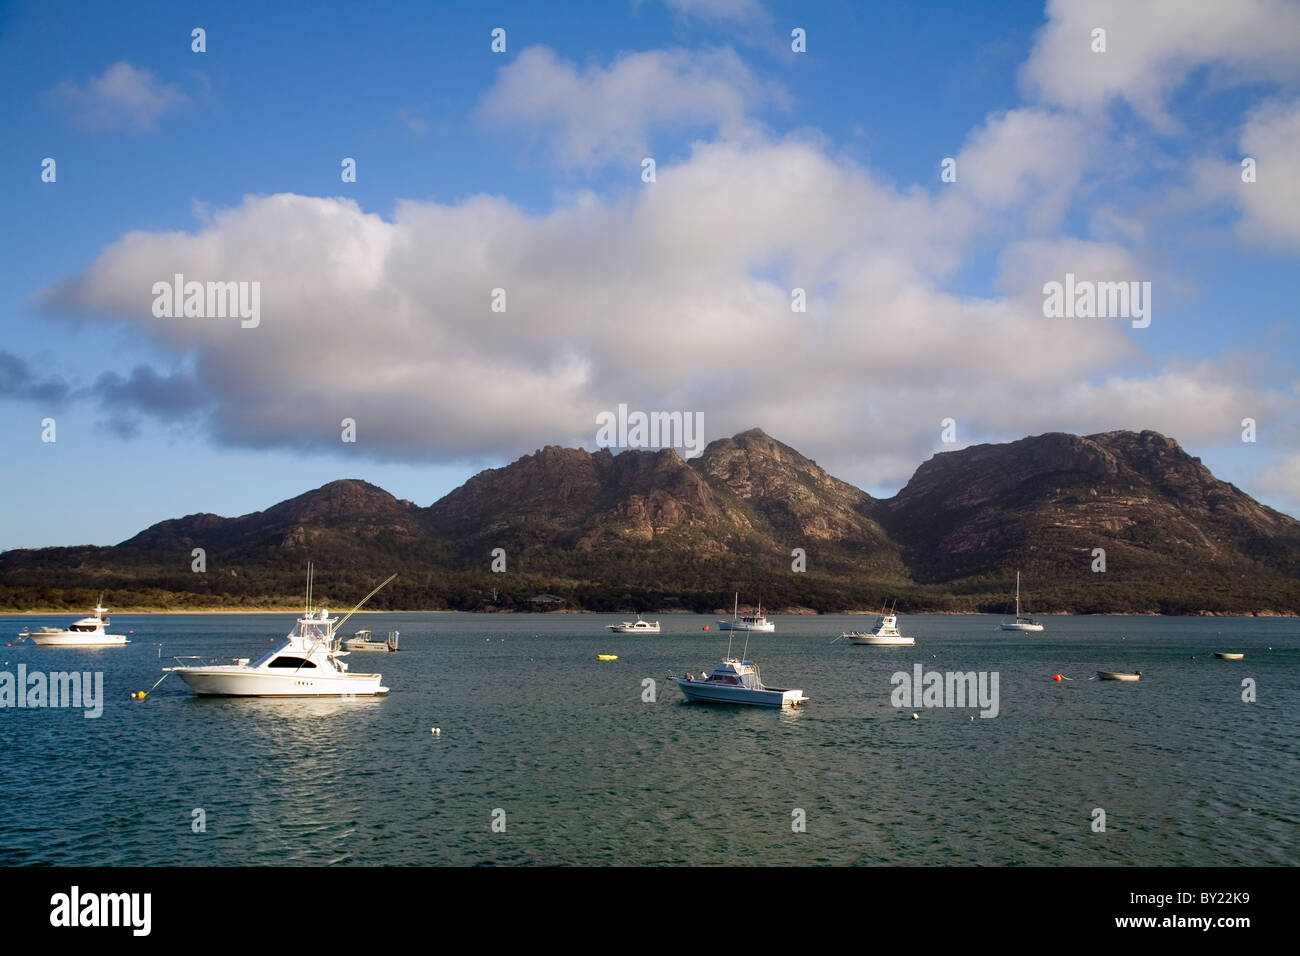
(608, 114)
(121, 97)
(1031, 159)
(1271, 204)
(1153, 47)
(674, 298)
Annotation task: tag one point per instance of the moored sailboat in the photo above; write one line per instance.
(1021, 623)
(747, 622)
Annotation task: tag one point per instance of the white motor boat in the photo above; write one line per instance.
(87, 632)
(747, 622)
(885, 633)
(635, 627)
(737, 682)
(365, 643)
(1021, 623)
(307, 664)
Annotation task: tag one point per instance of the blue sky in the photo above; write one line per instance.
(522, 170)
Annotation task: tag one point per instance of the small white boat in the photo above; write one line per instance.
(87, 632)
(737, 682)
(307, 664)
(1021, 623)
(365, 643)
(1229, 657)
(635, 627)
(885, 633)
(1117, 675)
(747, 622)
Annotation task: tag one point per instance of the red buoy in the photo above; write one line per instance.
(706, 627)
(1056, 677)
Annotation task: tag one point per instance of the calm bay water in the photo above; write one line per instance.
(587, 773)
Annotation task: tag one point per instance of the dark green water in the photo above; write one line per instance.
(587, 773)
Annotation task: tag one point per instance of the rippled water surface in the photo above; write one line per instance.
(586, 772)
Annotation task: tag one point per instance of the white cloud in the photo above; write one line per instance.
(1026, 161)
(122, 96)
(1152, 47)
(1271, 204)
(603, 115)
(677, 298)
(1281, 481)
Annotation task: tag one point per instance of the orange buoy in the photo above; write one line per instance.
(706, 627)
(1056, 677)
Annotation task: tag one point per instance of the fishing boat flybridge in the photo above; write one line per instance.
(87, 632)
(885, 633)
(1021, 623)
(635, 627)
(309, 663)
(747, 622)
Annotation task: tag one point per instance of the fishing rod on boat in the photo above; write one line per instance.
(330, 637)
(387, 581)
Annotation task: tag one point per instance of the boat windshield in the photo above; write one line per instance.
(294, 662)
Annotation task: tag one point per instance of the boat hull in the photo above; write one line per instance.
(706, 692)
(367, 647)
(879, 641)
(1022, 627)
(1229, 657)
(1108, 675)
(767, 628)
(246, 682)
(627, 629)
(66, 639)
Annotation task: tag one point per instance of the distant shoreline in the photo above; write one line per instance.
(798, 612)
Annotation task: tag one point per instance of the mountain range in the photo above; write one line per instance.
(1119, 522)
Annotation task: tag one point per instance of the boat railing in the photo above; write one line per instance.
(205, 661)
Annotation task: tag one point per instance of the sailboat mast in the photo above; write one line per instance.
(1017, 595)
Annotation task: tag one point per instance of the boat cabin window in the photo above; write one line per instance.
(294, 662)
(82, 627)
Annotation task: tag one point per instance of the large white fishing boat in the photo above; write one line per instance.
(635, 627)
(737, 682)
(747, 622)
(1021, 623)
(309, 663)
(885, 633)
(87, 632)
